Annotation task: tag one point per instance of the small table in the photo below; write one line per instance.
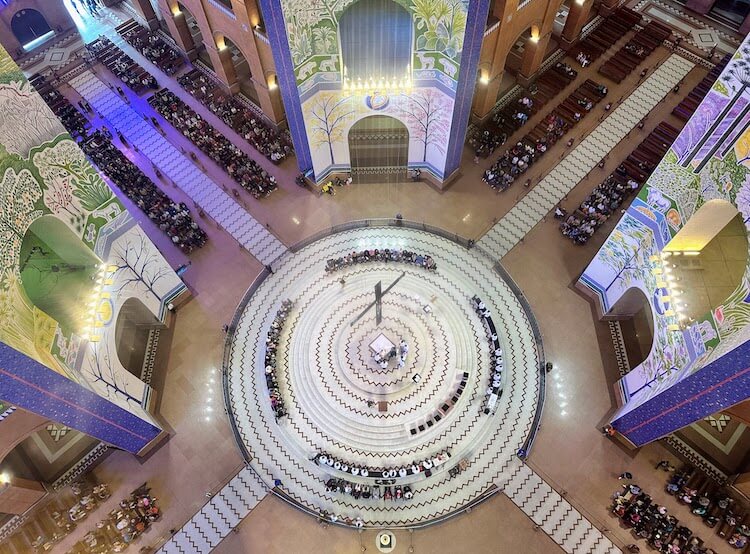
(383, 406)
(381, 344)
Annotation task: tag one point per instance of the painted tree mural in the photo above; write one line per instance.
(327, 116)
(426, 113)
(139, 268)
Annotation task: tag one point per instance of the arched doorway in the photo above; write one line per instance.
(379, 150)
(134, 324)
(376, 40)
(30, 28)
(636, 322)
(242, 70)
(57, 271)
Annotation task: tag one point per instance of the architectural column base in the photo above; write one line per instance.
(152, 24)
(566, 44)
(526, 81)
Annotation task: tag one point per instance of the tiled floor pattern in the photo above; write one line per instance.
(326, 401)
(586, 155)
(219, 516)
(553, 514)
(493, 463)
(247, 231)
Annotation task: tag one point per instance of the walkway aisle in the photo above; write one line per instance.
(219, 516)
(530, 210)
(180, 169)
(553, 514)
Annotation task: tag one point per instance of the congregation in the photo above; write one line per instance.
(122, 65)
(381, 255)
(517, 159)
(153, 47)
(215, 145)
(272, 344)
(422, 467)
(507, 119)
(273, 145)
(495, 388)
(172, 218)
(358, 490)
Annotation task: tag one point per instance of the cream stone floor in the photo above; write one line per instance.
(569, 453)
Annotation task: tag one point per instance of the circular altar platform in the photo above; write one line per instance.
(341, 402)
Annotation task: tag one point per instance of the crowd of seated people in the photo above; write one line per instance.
(75, 123)
(234, 113)
(216, 146)
(122, 65)
(152, 46)
(495, 386)
(603, 201)
(712, 504)
(425, 467)
(381, 255)
(626, 179)
(172, 218)
(652, 522)
(504, 122)
(272, 343)
(517, 159)
(358, 490)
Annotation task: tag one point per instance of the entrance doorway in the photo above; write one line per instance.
(30, 28)
(379, 150)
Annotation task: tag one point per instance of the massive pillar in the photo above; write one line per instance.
(699, 363)
(71, 256)
(146, 11)
(577, 17)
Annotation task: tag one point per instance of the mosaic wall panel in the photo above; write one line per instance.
(708, 161)
(307, 43)
(71, 256)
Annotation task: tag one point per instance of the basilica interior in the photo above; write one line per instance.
(424, 276)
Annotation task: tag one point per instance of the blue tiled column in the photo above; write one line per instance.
(476, 21)
(715, 387)
(273, 18)
(32, 386)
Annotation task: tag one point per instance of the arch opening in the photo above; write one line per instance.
(30, 28)
(636, 319)
(379, 150)
(134, 323)
(57, 271)
(706, 261)
(376, 40)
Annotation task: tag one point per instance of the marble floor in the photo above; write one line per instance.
(326, 376)
(569, 453)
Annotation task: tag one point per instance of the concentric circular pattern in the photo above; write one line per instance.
(327, 375)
